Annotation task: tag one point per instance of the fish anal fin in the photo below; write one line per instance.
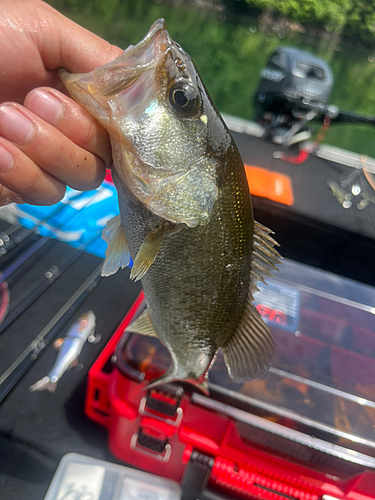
(143, 325)
(265, 257)
(117, 253)
(249, 351)
(147, 254)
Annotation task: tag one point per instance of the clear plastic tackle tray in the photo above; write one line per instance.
(82, 477)
(322, 380)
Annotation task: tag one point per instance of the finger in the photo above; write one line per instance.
(72, 120)
(20, 176)
(78, 50)
(50, 149)
(40, 41)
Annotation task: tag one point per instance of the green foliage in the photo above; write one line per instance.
(350, 17)
(361, 19)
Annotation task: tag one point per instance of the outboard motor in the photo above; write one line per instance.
(295, 87)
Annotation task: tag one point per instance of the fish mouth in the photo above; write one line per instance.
(110, 79)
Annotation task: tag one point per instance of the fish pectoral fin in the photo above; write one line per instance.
(143, 325)
(117, 253)
(265, 257)
(249, 352)
(147, 254)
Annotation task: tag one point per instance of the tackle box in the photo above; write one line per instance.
(304, 431)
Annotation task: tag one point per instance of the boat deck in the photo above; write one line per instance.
(37, 429)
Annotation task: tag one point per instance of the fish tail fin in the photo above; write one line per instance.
(44, 384)
(170, 376)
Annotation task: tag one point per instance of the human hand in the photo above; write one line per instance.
(47, 140)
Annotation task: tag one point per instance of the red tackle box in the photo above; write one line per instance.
(304, 431)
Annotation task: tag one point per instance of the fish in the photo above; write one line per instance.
(70, 350)
(186, 217)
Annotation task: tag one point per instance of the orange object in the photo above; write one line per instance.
(271, 185)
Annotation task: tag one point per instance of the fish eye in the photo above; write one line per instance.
(184, 98)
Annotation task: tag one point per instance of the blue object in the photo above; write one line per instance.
(76, 219)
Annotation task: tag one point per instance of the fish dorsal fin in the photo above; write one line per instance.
(249, 352)
(265, 256)
(147, 254)
(143, 325)
(117, 253)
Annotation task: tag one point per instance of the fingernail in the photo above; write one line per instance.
(6, 160)
(14, 125)
(46, 106)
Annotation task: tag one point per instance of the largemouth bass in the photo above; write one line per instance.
(186, 212)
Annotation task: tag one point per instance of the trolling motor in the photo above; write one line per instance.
(294, 90)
